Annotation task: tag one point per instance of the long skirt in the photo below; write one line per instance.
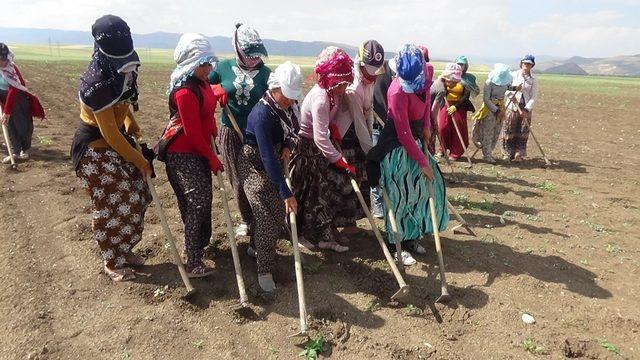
(119, 200)
(20, 123)
(485, 132)
(448, 134)
(231, 146)
(267, 207)
(324, 194)
(355, 156)
(515, 134)
(190, 178)
(408, 191)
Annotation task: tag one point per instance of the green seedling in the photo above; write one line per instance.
(547, 186)
(609, 346)
(197, 344)
(313, 348)
(533, 348)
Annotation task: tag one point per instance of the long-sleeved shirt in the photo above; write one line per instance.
(198, 122)
(405, 107)
(315, 119)
(244, 89)
(529, 92)
(491, 91)
(110, 121)
(265, 130)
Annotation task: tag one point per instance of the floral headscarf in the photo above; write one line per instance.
(333, 68)
(248, 47)
(452, 72)
(192, 51)
(410, 69)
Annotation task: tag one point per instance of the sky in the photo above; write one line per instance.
(509, 28)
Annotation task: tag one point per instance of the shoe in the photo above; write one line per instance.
(252, 252)
(407, 259)
(23, 155)
(489, 159)
(305, 243)
(266, 282)
(416, 247)
(7, 160)
(242, 230)
(378, 211)
(198, 270)
(517, 157)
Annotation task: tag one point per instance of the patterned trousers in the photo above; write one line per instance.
(231, 147)
(119, 200)
(515, 134)
(266, 206)
(190, 178)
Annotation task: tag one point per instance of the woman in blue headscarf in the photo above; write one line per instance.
(399, 161)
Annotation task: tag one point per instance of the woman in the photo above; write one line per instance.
(487, 122)
(320, 174)
(19, 106)
(103, 152)
(515, 129)
(243, 81)
(190, 159)
(446, 92)
(269, 137)
(399, 160)
(355, 119)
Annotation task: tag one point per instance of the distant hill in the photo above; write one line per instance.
(162, 40)
(569, 68)
(625, 65)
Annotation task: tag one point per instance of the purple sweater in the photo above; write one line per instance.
(404, 107)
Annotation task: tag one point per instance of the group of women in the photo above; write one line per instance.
(269, 133)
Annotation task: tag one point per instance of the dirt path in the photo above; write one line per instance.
(560, 244)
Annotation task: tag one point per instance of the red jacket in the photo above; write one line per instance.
(34, 104)
(199, 122)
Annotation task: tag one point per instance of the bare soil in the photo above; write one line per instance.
(559, 243)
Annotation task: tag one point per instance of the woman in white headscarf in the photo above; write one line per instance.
(270, 135)
(186, 144)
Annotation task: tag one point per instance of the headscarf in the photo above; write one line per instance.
(409, 64)
(112, 72)
(192, 51)
(248, 47)
(452, 72)
(9, 72)
(500, 75)
(528, 59)
(468, 80)
(333, 68)
(288, 78)
(425, 52)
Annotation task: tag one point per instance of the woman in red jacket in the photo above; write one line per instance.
(19, 106)
(190, 159)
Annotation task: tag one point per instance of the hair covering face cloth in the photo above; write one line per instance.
(248, 47)
(112, 72)
(500, 75)
(333, 68)
(409, 65)
(452, 72)
(9, 71)
(288, 78)
(192, 51)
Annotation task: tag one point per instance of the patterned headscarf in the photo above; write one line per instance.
(112, 72)
(9, 72)
(452, 72)
(410, 69)
(333, 68)
(248, 47)
(192, 51)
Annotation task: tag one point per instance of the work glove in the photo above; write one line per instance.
(342, 164)
(451, 109)
(334, 133)
(215, 165)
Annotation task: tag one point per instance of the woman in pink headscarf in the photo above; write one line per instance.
(320, 174)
